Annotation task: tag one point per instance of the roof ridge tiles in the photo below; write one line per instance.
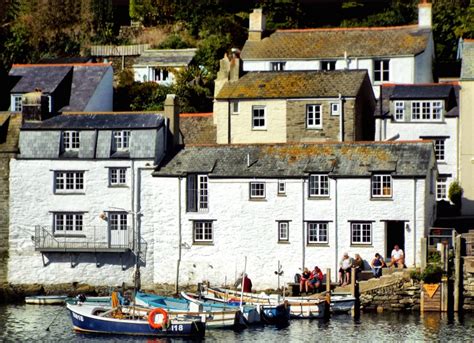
(26, 65)
(365, 28)
(448, 83)
(373, 143)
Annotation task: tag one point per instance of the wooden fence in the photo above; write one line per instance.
(118, 50)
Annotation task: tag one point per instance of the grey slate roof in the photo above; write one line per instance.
(97, 121)
(166, 58)
(47, 78)
(434, 91)
(284, 84)
(467, 65)
(403, 159)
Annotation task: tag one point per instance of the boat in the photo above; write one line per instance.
(342, 302)
(134, 321)
(89, 300)
(46, 299)
(214, 316)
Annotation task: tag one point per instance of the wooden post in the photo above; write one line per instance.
(355, 293)
(353, 282)
(444, 294)
(424, 254)
(457, 272)
(328, 280)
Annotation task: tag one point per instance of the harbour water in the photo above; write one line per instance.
(21, 323)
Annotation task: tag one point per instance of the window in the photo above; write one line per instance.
(381, 70)
(67, 222)
(281, 187)
(71, 140)
(121, 140)
(439, 149)
(317, 232)
(197, 193)
(257, 190)
(277, 66)
(426, 110)
(117, 221)
(399, 110)
(361, 233)
(283, 231)
(117, 176)
(16, 104)
(335, 109)
(68, 181)
(258, 117)
(318, 185)
(328, 65)
(161, 75)
(381, 186)
(441, 188)
(202, 231)
(313, 117)
(234, 107)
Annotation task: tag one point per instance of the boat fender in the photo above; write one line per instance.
(151, 318)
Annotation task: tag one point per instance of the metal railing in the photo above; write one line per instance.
(441, 235)
(89, 239)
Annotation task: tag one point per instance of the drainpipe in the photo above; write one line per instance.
(134, 228)
(302, 225)
(414, 222)
(176, 287)
(341, 118)
(336, 252)
(229, 134)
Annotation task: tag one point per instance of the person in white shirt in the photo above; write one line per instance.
(398, 258)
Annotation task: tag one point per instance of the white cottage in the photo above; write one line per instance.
(402, 54)
(300, 204)
(427, 111)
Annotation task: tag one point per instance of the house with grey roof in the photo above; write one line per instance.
(423, 111)
(68, 87)
(402, 54)
(303, 204)
(292, 106)
(161, 65)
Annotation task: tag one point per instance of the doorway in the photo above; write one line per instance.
(395, 233)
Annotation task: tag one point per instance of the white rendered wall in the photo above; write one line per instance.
(32, 202)
(146, 74)
(103, 97)
(424, 64)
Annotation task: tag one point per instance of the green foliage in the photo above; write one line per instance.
(211, 50)
(415, 275)
(194, 90)
(174, 41)
(434, 257)
(281, 14)
(455, 192)
(432, 274)
(399, 13)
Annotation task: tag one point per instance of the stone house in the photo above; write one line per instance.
(292, 106)
(161, 65)
(301, 204)
(423, 111)
(402, 54)
(68, 86)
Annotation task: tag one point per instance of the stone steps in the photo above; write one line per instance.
(391, 276)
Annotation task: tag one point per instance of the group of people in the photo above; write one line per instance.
(311, 280)
(397, 260)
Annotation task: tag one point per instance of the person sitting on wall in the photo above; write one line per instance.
(398, 258)
(358, 264)
(315, 279)
(304, 280)
(377, 264)
(345, 270)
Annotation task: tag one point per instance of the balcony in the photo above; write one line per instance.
(89, 239)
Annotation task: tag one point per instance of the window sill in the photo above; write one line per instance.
(283, 242)
(257, 129)
(118, 186)
(257, 199)
(370, 245)
(314, 128)
(203, 243)
(382, 199)
(321, 245)
(319, 198)
(442, 162)
(72, 235)
(281, 195)
(70, 193)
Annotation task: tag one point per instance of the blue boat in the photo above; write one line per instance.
(133, 321)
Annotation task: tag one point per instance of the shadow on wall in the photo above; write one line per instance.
(126, 260)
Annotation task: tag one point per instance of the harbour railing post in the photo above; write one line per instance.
(457, 272)
(328, 280)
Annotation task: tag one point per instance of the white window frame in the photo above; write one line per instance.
(317, 232)
(318, 185)
(439, 145)
(16, 103)
(361, 233)
(277, 66)
(382, 70)
(118, 221)
(283, 231)
(66, 181)
(399, 110)
(117, 176)
(281, 187)
(203, 231)
(234, 107)
(379, 183)
(71, 140)
(259, 113)
(442, 188)
(121, 140)
(67, 222)
(328, 65)
(314, 116)
(257, 190)
(426, 111)
(335, 108)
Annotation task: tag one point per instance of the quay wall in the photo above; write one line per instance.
(401, 296)
(468, 285)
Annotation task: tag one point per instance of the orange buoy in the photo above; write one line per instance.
(151, 318)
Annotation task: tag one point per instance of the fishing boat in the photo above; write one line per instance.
(342, 302)
(214, 316)
(46, 299)
(134, 321)
(89, 300)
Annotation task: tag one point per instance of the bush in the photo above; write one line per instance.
(173, 41)
(455, 193)
(415, 275)
(432, 274)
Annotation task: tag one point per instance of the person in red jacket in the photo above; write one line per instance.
(247, 284)
(315, 279)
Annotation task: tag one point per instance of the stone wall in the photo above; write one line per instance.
(468, 284)
(402, 296)
(198, 128)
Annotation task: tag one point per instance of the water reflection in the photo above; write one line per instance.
(29, 322)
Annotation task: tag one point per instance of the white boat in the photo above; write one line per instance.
(46, 299)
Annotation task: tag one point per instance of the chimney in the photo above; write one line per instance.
(229, 70)
(424, 14)
(35, 106)
(172, 113)
(256, 25)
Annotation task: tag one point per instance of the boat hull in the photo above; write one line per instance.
(46, 300)
(276, 315)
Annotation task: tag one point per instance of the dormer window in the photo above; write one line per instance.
(121, 140)
(16, 105)
(381, 70)
(277, 66)
(71, 140)
(328, 65)
(426, 110)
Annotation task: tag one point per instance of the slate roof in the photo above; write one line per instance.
(166, 58)
(47, 77)
(334, 42)
(9, 132)
(434, 91)
(467, 65)
(403, 159)
(302, 84)
(97, 121)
